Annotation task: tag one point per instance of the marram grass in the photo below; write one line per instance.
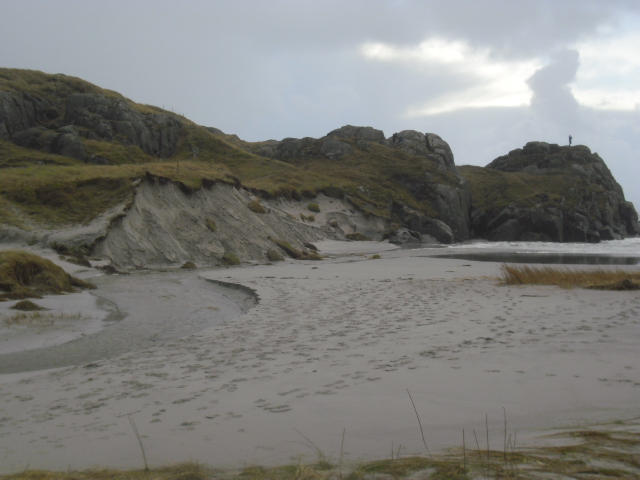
(597, 278)
(604, 453)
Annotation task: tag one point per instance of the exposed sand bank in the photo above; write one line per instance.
(333, 345)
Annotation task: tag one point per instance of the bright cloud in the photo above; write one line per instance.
(609, 74)
(496, 83)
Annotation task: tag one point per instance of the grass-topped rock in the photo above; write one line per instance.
(545, 192)
(25, 275)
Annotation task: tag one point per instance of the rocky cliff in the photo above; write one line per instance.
(545, 192)
(434, 182)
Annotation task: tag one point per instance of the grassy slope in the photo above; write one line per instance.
(56, 190)
(492, 189)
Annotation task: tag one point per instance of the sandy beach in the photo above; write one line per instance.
(212, 374)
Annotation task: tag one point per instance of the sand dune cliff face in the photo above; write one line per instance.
(165, 224)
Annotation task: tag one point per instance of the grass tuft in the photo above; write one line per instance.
(211, 225)
(27, 306)
(230, 259)
(37, 319)
(601, 279)
(274, 256)
(255, 206)
(25, 275)
(314, 207)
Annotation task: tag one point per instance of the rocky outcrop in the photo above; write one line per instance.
(428, 145)
(452, 203)
(35, 122)
(114, 119)
(582, 201)
(22, 111)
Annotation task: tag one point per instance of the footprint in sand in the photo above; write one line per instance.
(278, 409)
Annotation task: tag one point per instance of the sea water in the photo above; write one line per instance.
(611, 252)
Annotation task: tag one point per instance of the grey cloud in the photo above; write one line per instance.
(552, 96)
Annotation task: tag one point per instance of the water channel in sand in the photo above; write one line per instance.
(138, 311)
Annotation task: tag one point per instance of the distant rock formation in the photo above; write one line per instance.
(452, 203)
(582, 202)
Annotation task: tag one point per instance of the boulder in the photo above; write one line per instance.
(404, 236)
(334, 148)
(429, 145)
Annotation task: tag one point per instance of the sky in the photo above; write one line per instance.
(487, 76)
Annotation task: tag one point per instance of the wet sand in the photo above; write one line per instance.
(333, 345)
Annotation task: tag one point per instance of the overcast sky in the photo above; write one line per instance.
(487, 76)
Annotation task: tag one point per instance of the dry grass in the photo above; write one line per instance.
(38, 319)
(597, 278)
(295, 253)
(25, 275)
(603, 453)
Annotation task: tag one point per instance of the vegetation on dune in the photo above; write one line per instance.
(595, 454)
(78, 193)
(211, 225)
(295, 253)
(256, 207)
(230, 259)
(357, 237)
(601, 279)
(25, 275)
(274, 256)
(27, 306)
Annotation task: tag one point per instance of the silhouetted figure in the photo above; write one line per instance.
(395, 138)
(570, 138)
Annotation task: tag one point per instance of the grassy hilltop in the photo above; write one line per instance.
(42, 188)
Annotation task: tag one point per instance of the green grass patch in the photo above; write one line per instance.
(314, 207)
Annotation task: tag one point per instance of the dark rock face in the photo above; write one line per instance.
(592, 210)
(23, 118)
(428, 145)
(112, 118)
(19, 112)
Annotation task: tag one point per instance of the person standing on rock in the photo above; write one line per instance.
(570, 138)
